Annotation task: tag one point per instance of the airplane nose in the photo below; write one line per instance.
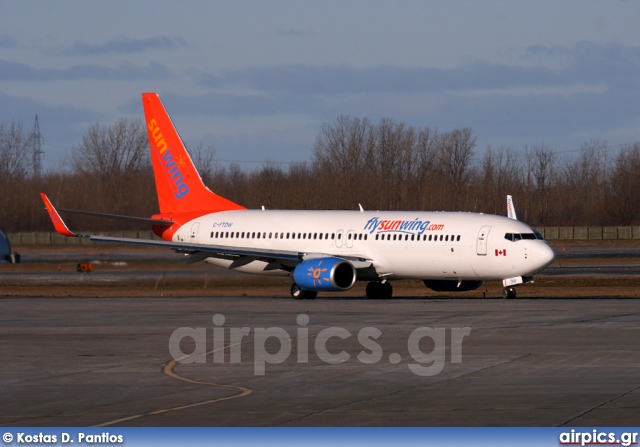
(543, 256)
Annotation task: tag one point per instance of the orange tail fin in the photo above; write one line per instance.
(179, 186)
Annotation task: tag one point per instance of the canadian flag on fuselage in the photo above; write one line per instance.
(501, 252)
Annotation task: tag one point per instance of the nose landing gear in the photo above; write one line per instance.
(508, 293)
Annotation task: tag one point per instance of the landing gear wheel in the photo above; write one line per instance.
(298, 294)
(508, 293)
(387, 290)
(373, 290)
(379, 291)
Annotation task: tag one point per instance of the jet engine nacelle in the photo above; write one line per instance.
(451, 285)
(325, 275)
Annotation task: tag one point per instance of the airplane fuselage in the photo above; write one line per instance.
(400, 245)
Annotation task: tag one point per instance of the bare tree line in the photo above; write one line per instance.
(384, 166)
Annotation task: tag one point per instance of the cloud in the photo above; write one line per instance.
(61, 126)
(585, 63)
(14, 71)
(290, 32)
(7, 42)
(120, 46)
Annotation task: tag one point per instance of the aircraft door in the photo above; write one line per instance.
(350, 238)
(339, 236)
(481, 244)
(194, 232)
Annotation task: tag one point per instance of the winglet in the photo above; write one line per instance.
(511, 210)
(57, 221)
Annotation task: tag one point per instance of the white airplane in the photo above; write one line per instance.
(325, 250)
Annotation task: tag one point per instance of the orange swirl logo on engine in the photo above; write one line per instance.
(316, 273)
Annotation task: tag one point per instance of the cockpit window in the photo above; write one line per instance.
(513, 237)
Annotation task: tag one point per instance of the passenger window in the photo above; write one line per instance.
(365, 237)
(458, 238)
(446, 238)
(212, 235)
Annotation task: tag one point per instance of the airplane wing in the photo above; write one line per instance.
(198, 252)
(146, 220)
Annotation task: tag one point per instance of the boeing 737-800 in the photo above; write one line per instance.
(325, 250)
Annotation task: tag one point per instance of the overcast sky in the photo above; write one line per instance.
(256, 80)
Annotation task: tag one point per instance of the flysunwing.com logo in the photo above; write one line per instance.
(415, 226)
(170, 166)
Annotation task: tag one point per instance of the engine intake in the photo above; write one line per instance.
(325, 274)
(451, 285)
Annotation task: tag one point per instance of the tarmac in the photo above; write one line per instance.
(327, 362)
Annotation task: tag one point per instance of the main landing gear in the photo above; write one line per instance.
(298, 294)
(508, 293)
(379, 290)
